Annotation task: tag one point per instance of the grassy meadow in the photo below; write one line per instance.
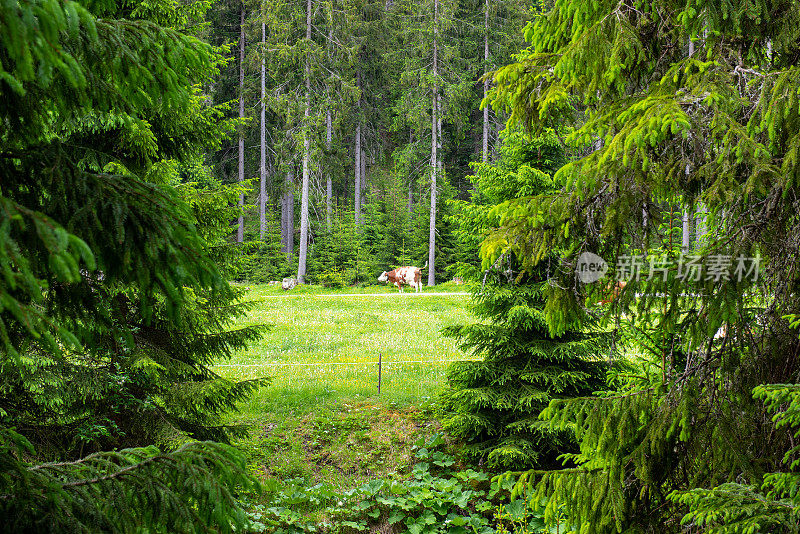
(321, 417)
(322, 345)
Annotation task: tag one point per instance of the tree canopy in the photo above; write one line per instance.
(112, 300)
(667, 108)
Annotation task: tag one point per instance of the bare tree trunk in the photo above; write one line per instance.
(498, 126)
(303, 255)
(435, 162)
(290, 221)
(357, 192)
(329, 185)
(439, 137)
(240, 229)
(262, 197)
(485, 146)
(358, 154)
(283, 219)
(363, 173)
(287, 216)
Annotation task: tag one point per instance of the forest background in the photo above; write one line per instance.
(359, 121)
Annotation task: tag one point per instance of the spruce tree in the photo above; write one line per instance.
(191, 489)
(113, 306)
(672, 105)
(493, 404)
(137, 335)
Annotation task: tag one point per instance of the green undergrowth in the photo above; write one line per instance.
(432, 495)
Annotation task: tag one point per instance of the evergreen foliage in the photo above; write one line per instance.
(119, 356)
(672, 105)
(262, 261)
(774, 506)
(734, 507)
(344, 255)
(524, 167)
(494, 404)
(112, 304)
(122, 491)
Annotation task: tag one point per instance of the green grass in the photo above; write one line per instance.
(342, 444)
(321, 418)
(322, 346)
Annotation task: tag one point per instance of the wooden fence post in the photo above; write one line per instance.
(380, 365)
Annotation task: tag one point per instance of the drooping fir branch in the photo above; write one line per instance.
(774, 506)
(112, 304)
(190, 489)
(22, 284)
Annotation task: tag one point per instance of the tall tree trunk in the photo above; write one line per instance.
(363, 173)
(328, 143)
(262, 197)
(435, 162)
(485, 146)
(303, 255)
(290, 221)
(283, 218)
(240, 229)
(439, 138)
(329, 185)
(357, 163)
(287, 216)
(357, 174)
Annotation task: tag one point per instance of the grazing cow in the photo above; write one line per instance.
(404, 275)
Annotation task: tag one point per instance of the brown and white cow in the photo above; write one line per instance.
(403, 275)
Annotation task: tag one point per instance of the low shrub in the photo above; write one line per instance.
(433, 499)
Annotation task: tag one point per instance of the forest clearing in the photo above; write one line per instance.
(323, 344)
(321, 433)
(320, 422)
(400, 266)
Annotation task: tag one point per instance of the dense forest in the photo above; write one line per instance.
(616, 180)
(358, 122)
